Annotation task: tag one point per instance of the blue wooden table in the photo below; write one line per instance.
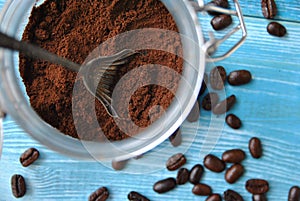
(268, 107)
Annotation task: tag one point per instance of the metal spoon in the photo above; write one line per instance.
(104, 66)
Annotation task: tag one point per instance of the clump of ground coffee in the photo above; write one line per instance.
(73, 29)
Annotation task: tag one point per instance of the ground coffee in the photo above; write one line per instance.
(72, 29)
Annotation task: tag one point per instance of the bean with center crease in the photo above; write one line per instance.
(182, 176)
(257, 186)
(269, 8)
(231, 195)
(175, 162)
(29, 156)
(100, 194)
(18, 185)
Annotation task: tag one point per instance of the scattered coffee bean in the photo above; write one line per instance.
(119, 165)
(276, 29)
(231, 195)
(195, 113)
(213, 163)
(203, 86)
(233, 156)
(196, 174)
(202, 189)
(214, 197)
(219, 3)
(225, 105)
(100, 194)
(220, 22)
(257, 186)
(294, 194)
(233, 121)
(269, 8)
(135, 196)
(217, 77)
(182, 176)
(239, 77)
(259, 197)
(210, 100)
(176, 138)
(29, 156)
(2, 114)
(164, 185)
(234, 173)
(255, 147)
(18, 185)
(175, 162)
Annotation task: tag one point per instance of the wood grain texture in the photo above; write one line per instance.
(268, 107)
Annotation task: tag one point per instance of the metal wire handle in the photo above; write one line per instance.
(212, 44)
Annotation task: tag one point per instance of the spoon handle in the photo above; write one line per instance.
(35, 52)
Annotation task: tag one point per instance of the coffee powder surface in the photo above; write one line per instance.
(73, 29)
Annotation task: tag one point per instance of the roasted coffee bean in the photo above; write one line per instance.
(202, 189)
(29, 156)
(219, 3)
(217, 77)
(196, 174)
(231, 195)
(239, 77)
(175, 162)
(259, 197)
(255, 147)
(119, 165)
(203, 86)
(18, 185)
(2, 114)
(213, 163)
(135, 196)
(164, 185)
(269, 8)
(257, 186)
(233, 156)
(225, 105)
(276, 29)
(100, 194)
(220, 22)
(182, 176)
(234, 173)
(176, 138)
(233, 121)
(294, 194)
(210, 100)
(214, 197)
(195, 113)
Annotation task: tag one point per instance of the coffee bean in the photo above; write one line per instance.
(294, 194)
(18, 185)
(234, 173)
(2, 114)
(219, 3)
(231, 195)
(233, 156)
(269, 8)
(210, 100)
(217, 77)
(214, 197)
(220, 22)
(233, 121)
(213, 163)
(257, 186)
(182, 176)
(195, 113)
(259, 197)
(225, 105)
(135, 196)
(239, 77)
(164, 185)
(29, 156)
(175, 162)
(176, 138)
(255, 147)
(119, 165)
(100, 194)
(276, 29)
(196, 174)
(202, 189)
(203, 86)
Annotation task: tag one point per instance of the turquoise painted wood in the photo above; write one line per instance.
(268, 107)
